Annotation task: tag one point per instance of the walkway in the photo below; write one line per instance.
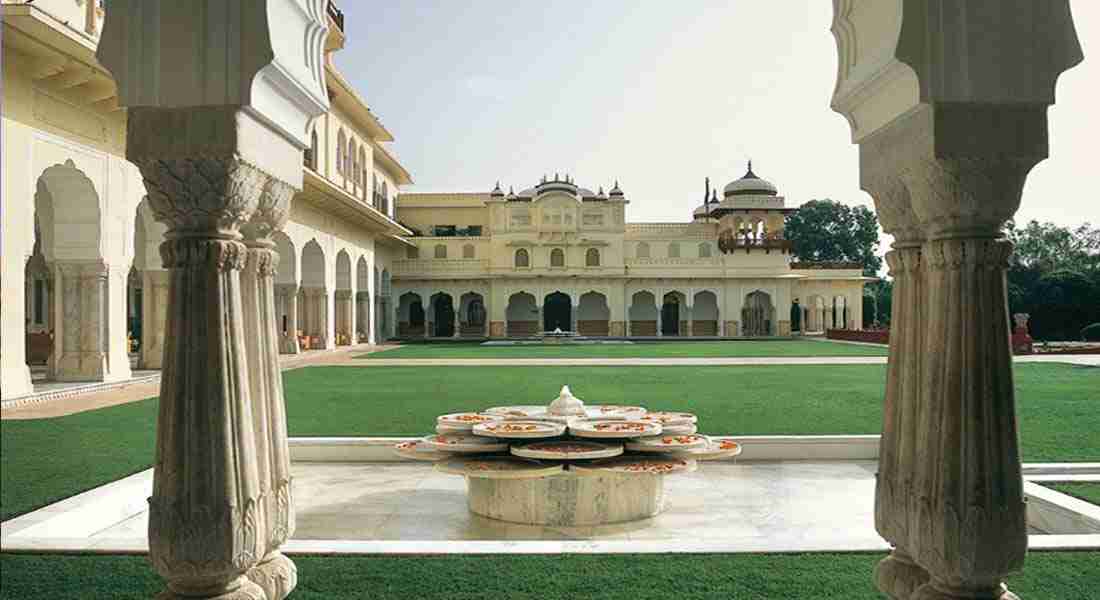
(1092, 360)
(59, 399)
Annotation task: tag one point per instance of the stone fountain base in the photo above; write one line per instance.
(568, 498)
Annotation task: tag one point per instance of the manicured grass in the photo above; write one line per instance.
(728, 349)
(46, 460)
(1057, 404)
(1046, 576)
(1089, 492)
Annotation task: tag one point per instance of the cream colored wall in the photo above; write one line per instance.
(424, 219)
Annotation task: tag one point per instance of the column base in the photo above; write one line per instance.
(731, 328)
(240, 589)
(616, 328)
(15, 382)
(936, 591)
(898, 576)
(82, 366)
(276, 575)
(784, 328)
(496, 329)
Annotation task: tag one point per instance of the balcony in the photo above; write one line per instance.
(336, 15)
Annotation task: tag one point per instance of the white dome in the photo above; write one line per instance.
(749, 184)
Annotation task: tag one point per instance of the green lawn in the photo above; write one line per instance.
(728, 349)
(1089, 492)
(1046, 576)
(46, 460)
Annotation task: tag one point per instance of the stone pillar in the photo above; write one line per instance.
(497, 329)
(690, 328)
(659, 325)
(731, 328)
(362, 321)
(154, 312)
(617, 328)
(207, 514)
(81, 335)
(275, 573)
(970, 488)
(344, 316)
(783, 328)
(289, 339)
(574, 312)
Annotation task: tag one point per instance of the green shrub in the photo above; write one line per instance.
(1091, 333)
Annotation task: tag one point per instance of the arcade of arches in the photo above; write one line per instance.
(450, 310)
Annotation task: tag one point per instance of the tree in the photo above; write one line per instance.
(1054, 275)
(828, 231)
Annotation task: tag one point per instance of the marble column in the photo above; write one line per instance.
(362, 322)
(896, 513)
(969, 488)
(289, 294)
(207, 515)
(82, 333)
(154, 309)
(275, 573)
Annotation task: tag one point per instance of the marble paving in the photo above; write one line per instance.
(765, 506)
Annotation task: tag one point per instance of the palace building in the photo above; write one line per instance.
(359, 262)
(560, 256)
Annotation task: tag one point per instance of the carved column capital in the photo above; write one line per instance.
(202, 196)
(272, 212)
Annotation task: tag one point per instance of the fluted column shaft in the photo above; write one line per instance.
(897, 575)
(275, 573)
(207, 512)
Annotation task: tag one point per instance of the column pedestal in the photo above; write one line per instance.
(82, 333)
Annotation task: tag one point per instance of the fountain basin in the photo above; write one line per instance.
(568, 498)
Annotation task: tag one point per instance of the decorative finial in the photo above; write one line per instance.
(555, 176)
(600, 193)
(511, 191)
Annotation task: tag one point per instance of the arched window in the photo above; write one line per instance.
(592, 258)
(704, 250)
(523, 259)
(313, 149)
(353, 158)
(468, 251)
(440, 251)
(642, 251)
(557, 257)
(341, 141)
(362, 176)
(674, 250)
(412, 252)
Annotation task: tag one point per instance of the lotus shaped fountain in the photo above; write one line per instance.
(566, 404)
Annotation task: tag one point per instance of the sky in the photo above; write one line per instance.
(656, 95)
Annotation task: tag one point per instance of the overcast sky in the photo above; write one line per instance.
(657, 95)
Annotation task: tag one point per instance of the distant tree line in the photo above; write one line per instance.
(1053, 275)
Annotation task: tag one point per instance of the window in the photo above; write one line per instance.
(313, 150)
(704, 250)
(444, 230)
(674, 250)
(353, 158)
(557, 258)
(592, 258)
(468, 251)
(412, 252)
(642, 250)
(440, 251)
(523, 259)
(341, 140)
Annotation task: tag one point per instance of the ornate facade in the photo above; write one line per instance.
(82, 240)
(559, 256)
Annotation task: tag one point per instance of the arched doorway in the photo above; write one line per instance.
(443, 315)
(593, 315)
(410, 315)
(362, 300)
(643, 314)
(672, 311)
(758, 314)
(704, 314)
(472, 315)
(344, 302)
(557, 312)
(521, 315)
